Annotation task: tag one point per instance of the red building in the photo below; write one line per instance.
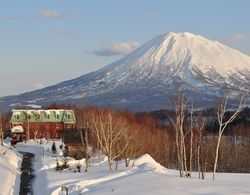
(43, 123)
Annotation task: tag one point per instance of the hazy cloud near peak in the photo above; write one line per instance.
(38, 85)
(53, 14)
(238, 37)
(120, 48)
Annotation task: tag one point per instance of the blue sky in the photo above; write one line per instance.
(46, 42)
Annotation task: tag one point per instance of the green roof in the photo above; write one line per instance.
(66, 116)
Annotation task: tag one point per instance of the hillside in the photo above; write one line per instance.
(145, 79)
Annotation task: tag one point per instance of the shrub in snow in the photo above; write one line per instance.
(53, 148)
(66, 151)
(65, 164)
(74, 156)
(58, 166)
(78, 167)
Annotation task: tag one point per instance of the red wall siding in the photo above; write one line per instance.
(45, 129)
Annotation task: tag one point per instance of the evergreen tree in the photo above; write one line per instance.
(53, 148)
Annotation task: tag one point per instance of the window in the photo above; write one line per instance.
(48, 116)
(57, 126)
(68, 116)
(17, 116)
(57, 116)
(29, 116)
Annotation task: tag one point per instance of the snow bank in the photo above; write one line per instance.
(147, 163)
(148, 177)
(10, 160)
(144, 164)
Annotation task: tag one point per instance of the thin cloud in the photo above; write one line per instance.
(18, 18)
(235, 38)
(38, 85)
(121, 48)
(60, 31)
(54, 15)
(49, 14)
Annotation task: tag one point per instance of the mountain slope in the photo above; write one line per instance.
(147, 77)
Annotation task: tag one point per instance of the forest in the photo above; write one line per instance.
(189, 140)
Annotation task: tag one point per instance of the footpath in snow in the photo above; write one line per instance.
(40, 180)
(27, 176)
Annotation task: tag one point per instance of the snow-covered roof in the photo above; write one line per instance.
(52, 115)
(16, 113)
(47, 112)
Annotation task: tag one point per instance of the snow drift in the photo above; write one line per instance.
(10, 162)
(143, 164)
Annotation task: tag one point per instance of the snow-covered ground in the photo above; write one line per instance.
(10, 162)
(146, 177)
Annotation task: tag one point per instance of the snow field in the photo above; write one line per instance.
(10, 161)
(146, 177)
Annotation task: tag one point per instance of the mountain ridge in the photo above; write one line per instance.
(150, 74)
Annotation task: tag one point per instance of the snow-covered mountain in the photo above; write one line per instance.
(145, 79)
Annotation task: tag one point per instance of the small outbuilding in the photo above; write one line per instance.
(73, 143)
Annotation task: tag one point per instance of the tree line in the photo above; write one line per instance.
(185, 142)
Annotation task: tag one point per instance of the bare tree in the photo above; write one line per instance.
(83, 115)
(192, 122)
(134, 148)
(222, 109)
(1, 129)
(36, 125)
(128, 138)
(108, 128)
(201, 124)
(26, 122)
(180, 115)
